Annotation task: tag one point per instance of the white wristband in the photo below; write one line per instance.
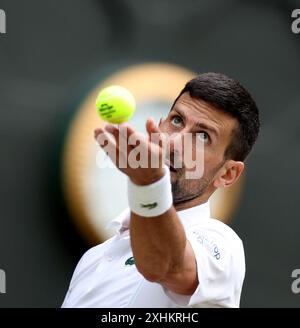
(151, 200)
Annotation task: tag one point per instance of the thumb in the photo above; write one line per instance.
(151, 126)
(155, 134)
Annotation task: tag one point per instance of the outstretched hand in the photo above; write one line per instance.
(138, 156)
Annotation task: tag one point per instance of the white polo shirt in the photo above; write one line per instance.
(106, 275)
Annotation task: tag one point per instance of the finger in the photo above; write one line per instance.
(136, 138)
(127, 134)
(160, 121)
(151, 126)
(97, 131)
(120, 134)
(155, 135)
(112, 130)
(106, 139)
(126, 130)
(121, 142)
(108, 143)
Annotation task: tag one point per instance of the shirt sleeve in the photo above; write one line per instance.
(220, 270)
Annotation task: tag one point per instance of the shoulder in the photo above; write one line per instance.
(220, 260)
(218, 228)
(89, 260)
(94, 253)
(218, 240)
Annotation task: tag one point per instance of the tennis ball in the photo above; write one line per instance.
(115, 104)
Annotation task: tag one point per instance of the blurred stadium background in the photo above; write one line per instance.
(54, 55)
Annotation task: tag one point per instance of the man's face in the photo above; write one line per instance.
(214, 128)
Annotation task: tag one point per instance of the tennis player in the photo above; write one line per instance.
(168, 251)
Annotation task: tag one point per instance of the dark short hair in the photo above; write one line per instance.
(229, 96)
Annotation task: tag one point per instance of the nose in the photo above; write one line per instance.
(174, 141)
(174, 149)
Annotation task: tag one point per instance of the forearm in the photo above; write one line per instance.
(158, 244)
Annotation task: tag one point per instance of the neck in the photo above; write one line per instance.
(191, 202)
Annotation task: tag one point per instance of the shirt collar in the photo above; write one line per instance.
(191, 216)
(188, 217)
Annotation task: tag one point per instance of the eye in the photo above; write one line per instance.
(177, 121)
(203, 136)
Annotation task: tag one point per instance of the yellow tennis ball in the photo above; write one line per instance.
(115, 104)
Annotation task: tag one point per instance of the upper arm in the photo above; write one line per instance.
(213, 270)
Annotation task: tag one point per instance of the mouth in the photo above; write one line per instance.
(171, 167)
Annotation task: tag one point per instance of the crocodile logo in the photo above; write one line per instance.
(150, 206)
(130, 261)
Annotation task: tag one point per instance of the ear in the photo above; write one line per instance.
(229, 174)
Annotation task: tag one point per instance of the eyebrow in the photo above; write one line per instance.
(199, 125)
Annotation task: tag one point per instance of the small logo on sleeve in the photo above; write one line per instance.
(130, 261)
(210, 243)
